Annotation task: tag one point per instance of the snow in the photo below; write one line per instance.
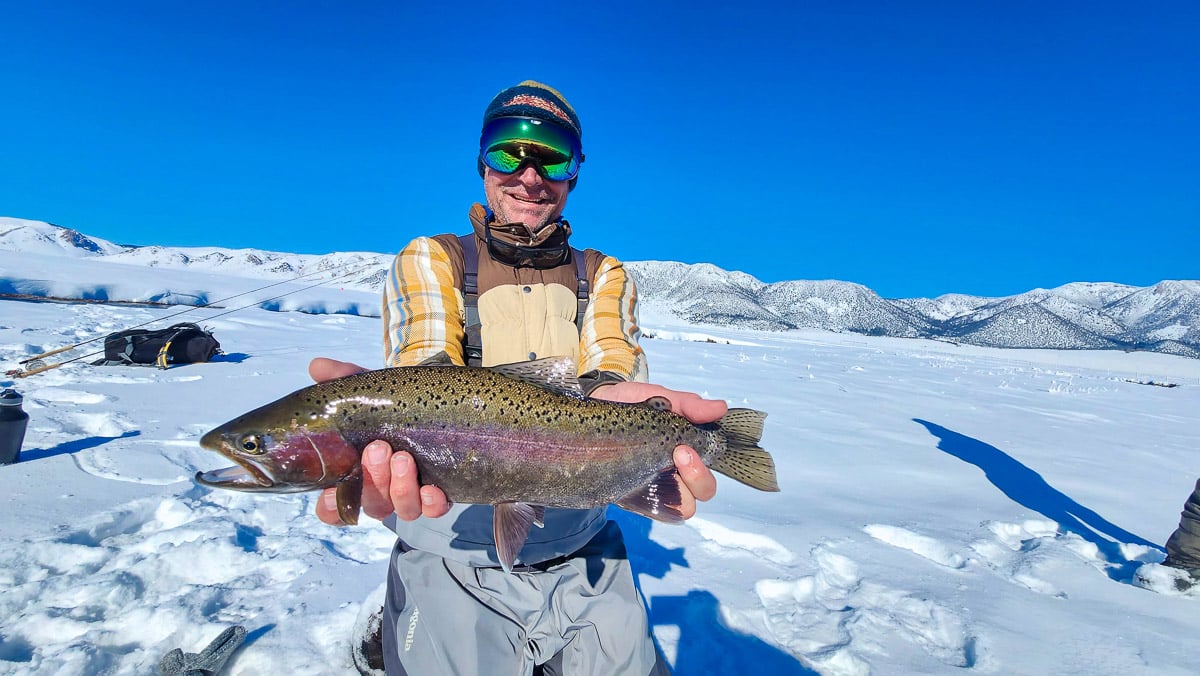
(943, 507)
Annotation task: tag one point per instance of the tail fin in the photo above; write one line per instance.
(743, 459)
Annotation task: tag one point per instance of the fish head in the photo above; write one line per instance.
(292, 454)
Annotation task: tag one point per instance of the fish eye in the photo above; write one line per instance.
(249, 443)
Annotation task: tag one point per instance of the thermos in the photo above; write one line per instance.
(12, 426)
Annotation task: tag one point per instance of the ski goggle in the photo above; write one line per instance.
(509, 142)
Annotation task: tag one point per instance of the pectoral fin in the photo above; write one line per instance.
(349, 497)
(510, 528)
(659, 500)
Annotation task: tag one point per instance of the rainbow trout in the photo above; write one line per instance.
(521, 437)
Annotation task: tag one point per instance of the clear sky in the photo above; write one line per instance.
(918, 148)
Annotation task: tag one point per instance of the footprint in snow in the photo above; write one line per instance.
(114, 588)
(1015, 551)
(722, 541)
(921, 545)
(1166, 580)
(61, 395)
(186, 379)
(1033, 552)
(840, 623)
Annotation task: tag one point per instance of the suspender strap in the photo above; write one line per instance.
(473, 343)
(582, 286)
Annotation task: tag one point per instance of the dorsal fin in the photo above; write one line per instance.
(440, 359)
(556, 374)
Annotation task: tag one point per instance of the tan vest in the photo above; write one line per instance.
(524, 313)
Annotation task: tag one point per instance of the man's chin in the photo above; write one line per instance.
(532, 218)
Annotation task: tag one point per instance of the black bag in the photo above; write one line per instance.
(178, 344)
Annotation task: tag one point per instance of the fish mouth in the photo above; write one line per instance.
(244, 476)
(236, 477)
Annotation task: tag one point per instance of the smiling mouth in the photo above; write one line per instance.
(529, 200)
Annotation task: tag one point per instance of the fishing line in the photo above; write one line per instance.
(267, 300)
(42, 369)
(51, 353)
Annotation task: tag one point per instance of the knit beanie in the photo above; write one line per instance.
(539, 101)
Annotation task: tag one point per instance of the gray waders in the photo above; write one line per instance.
(578, 615)
(1183, 547)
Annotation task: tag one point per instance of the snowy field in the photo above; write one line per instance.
(943, 508)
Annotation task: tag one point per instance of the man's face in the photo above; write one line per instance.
(524, 197)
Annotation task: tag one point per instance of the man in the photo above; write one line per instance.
(570, 606)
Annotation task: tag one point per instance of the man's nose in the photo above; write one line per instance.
(528, 174)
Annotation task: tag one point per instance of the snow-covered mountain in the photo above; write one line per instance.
(37, 237)
(360, 270)
(1081, 315)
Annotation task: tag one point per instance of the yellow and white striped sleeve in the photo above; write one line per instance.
(422, 309)
(608, 338)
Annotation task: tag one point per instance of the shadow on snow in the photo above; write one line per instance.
(1027, 488)
(706, 645)
(73, 446)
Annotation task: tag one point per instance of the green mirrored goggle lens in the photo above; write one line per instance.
(509, 157)
(508, 142)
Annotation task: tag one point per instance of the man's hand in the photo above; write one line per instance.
(696, 480)
(389, 478)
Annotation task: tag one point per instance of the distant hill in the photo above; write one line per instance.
(1080, 315)
(362, 270)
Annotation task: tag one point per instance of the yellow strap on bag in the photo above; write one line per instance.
(161, 359)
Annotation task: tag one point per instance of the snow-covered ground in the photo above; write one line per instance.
(943, 508)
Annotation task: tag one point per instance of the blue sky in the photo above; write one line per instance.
(918, 148)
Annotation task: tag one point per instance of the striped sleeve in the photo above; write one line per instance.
(422, 309)
(608, 339)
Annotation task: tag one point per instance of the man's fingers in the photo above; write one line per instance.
(408, 498)
(377, 478)
(389, 485)
(687, 404)
(404, 492)
(433, 502)
(323, 368)
(327, 510)
(700, 410)
(698, 479)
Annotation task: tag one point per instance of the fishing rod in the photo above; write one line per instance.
(60, 350)
(29, 371)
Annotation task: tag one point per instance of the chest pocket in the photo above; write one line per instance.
(519, 323)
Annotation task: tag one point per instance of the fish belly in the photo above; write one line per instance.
(489, 466)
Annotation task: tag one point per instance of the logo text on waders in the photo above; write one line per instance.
(412, 629)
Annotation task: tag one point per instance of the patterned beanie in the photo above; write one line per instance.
(536, 100)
